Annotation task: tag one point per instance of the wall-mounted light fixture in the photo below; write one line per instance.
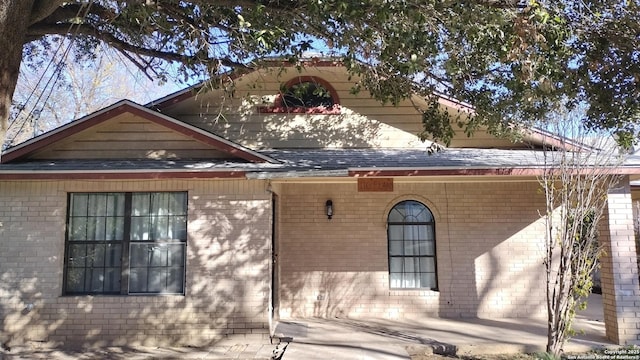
(329, 206)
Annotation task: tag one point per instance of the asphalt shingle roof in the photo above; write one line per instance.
(309, 162)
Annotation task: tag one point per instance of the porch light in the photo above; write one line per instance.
(329, 206)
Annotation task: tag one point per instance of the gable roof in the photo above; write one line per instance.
(24, 150)
(24, 160)
(535, 137)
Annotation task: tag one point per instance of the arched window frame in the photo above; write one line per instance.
(397, 253)
(279, 106)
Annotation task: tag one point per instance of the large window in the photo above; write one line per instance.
(126, 243)
(412, 247)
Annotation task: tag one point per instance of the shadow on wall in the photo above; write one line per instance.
(489, 259)
(496, 268)
(336, 294)
(227, 289)
(347, 130)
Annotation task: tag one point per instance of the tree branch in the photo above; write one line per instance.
(39, 30)
(69, 11)
(42, 9)
(503, 4)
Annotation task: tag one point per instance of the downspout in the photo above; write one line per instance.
(272, 263)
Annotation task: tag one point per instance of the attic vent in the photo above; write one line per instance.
(306, 94)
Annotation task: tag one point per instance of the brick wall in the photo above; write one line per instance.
(489, 243)
(228, 268)
(619, 272)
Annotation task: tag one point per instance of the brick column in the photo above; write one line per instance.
(619, 271)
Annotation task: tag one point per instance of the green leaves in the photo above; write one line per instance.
(512, 60)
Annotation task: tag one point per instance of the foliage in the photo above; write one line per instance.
(80, 88)
(545, 356)
(510, 59)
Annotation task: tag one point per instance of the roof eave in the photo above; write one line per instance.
(122, 107)
(121, 174)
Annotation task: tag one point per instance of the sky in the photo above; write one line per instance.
(46, 98)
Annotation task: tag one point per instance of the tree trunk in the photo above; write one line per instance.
(14, 21)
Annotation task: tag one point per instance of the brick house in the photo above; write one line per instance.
(214, 213)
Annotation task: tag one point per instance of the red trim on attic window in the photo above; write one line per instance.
(321, 110)
(279, 108)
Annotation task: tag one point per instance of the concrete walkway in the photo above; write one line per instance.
(373, 339)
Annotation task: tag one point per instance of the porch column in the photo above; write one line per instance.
(619, 270)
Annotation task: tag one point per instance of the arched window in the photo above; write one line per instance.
(412, 246)
(306, 95)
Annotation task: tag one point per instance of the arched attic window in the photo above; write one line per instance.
(306, 95)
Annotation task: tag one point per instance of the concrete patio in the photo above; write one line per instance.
(386, 339)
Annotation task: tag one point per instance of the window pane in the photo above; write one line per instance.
(115, 205)
(114, 228)
(414, 212)
(140, 204)
(78, 205)
(96, 205)
(157, 279)
(395, 280)
(138, 280)
(139, 255)
(396, 214)
(411, 247)
(396, 232)
(428, 280)
(178, 230)
(410, 265)
(77, 255)
(160, 227)
(157, 268)
(75, 280)
(175, 280)
(429, 233)
(176, 255)
(99, 229)
(158, 255)
(307, 94)
(395, 247)
(113, 254)
(178, 204)
(427, 265)
(409, 212)
(112, 279)
(409, 280)
(95, 255)
(159, 204)
(77, 228)
(395, 265)
(415, 232)
(140, 228)
(95, 279)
